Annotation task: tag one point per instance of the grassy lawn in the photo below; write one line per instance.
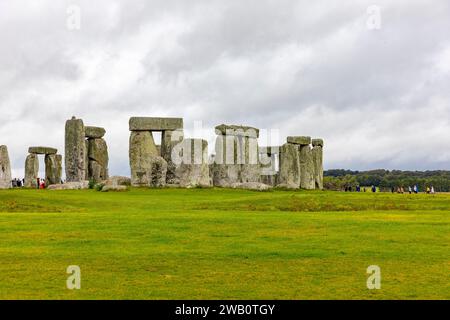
(223, 244)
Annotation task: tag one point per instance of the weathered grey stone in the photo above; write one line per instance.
(299, 140)
(108, 188)
(158, 172)
(94, 132)
(289, 166)
(248, 152)
(142, 149)
(31, 171)
(70, 186)
(271, 150)
(256, 186)
(118, 181)
(169, 140)
(317, 153)
(42, 150)
(98, 151)
(225, 169)
(155, 124)
(194, 170)
(97, 172)
(235, 130)
(75, 151)
(86, 159)
(53, 169)
(5, 168)
(306, 168)
(317, 142)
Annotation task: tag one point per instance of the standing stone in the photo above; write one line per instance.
(31, 171)
(142, 153)
(5, 168)
(158, 172)
(98, 159)
(53, 169)
(250, 168)
(169, 139)
(75, 151)
(289, 166)
(318, 162)
(225, 170)
(194, 170)
(268, 159)
(86, 158)
(307, 170)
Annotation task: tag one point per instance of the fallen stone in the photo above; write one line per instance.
(42, 150)
(94, 132)
(108, 188)
(70, 186)
(5, 168)
(256, 186)
(118, 181)
(155, 124)
(299, 140)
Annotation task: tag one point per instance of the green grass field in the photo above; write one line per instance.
(223, 244)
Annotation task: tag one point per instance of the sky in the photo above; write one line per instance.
(371, 78)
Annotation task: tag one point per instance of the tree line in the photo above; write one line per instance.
(339, 179)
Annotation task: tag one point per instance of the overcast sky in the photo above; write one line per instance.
(374, 87)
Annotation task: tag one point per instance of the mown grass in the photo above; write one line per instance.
(223, 244)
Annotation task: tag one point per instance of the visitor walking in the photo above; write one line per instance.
(416, 190)
(432, 190)
(409, 189)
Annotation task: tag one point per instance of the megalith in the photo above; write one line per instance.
(5, 168)
(75, 149)
(31, 170)
(53, 169)
(237, 157)
(194, 169)
(317, 152)
(150, 164)
(96, 154)
(268, 161)
(290, 172)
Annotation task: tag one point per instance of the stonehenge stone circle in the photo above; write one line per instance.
(5, 168)
(318, 162)
(75, 151)
(194, 170)
(238, 161)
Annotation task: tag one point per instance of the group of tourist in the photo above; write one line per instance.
(400, 190)
(17, 183)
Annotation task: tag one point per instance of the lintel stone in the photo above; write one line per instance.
(42, 150)
(94, 132)
(304, 141)
(317, 142)
(155, 124)
(235, 130)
